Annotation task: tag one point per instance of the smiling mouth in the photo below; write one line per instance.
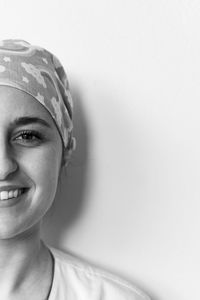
(7, 195)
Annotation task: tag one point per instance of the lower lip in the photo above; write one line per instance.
(12, 201)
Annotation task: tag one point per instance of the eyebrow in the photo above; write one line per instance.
(29, 120)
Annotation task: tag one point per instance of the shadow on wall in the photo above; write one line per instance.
(69, 200)
(70, 197)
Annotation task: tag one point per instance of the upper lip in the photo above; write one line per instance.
(11, 187)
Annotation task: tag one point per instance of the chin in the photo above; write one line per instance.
(11, 231)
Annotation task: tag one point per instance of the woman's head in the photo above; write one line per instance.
(39, 73)
(35, 134)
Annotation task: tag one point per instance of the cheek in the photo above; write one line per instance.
(42, 166)
(39, 168)
(42, 172)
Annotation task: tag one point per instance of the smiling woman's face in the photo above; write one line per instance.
(30, 157)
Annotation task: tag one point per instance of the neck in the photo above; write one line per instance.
(22, 261)
(17, 250)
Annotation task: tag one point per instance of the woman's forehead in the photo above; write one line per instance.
(16, 103)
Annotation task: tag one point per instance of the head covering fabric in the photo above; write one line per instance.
(39, 73)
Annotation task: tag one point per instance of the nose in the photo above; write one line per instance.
(7, 163)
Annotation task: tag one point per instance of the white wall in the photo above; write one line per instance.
(130, 200)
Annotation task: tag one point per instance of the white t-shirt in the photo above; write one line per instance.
(75, 280)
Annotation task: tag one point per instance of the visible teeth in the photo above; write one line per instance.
(15, 193)
(11, 194)
(4, 195)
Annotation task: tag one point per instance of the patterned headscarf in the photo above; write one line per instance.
(39, 73)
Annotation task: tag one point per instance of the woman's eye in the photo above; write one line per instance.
(29, 136)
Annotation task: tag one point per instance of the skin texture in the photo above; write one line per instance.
(33, 162)
(36, 163)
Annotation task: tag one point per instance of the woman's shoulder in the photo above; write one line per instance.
(93, 282)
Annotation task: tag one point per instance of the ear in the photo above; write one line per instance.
(67, 152)
(66, 158)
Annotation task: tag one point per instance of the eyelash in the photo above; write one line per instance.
(30, 133)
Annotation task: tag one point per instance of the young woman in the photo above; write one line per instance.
(36, 142)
